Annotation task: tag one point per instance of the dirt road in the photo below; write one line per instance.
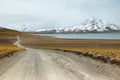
(36, 64)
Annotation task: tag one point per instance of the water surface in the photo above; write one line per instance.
(85, 36)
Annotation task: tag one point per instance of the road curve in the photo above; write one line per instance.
(38, 64)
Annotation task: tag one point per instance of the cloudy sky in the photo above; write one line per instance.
(54, 13)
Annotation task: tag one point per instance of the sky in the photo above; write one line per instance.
(57, 13)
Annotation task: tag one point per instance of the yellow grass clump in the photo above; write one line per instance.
(8, 50)
(112, 54)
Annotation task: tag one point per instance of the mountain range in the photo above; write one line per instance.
(90, 25)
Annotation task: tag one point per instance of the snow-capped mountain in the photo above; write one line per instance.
(22, 27)
(90, 25)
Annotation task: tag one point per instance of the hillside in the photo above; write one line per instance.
(8, 36)
(5, 31)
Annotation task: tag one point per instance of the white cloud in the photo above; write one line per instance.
(57, 12)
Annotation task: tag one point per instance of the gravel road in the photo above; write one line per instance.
(39, 64)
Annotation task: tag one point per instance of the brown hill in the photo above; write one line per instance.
(8, 36)
(5, 31)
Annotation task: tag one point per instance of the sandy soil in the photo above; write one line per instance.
(39, 64)
(52, 42)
